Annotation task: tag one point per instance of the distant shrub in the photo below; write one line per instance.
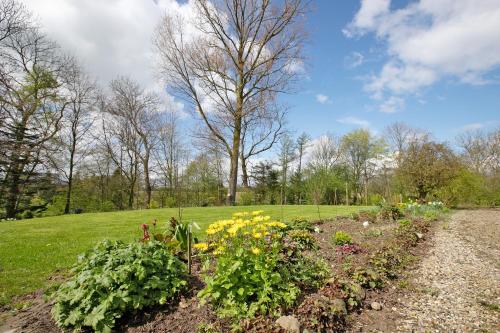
(341, 238)
(246, 198)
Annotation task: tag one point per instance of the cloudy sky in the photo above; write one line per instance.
(432, 63)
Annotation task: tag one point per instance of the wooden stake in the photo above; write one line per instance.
(189, 249)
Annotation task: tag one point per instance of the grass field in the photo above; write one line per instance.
(33, 250)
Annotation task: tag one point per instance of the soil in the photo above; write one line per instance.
(459, 257)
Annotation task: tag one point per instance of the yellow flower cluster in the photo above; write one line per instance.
(253, 224)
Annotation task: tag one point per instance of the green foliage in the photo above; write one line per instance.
(324, 314)
(352, 293)
(373, 233)
(299, 223)
(367, 278)
(303, 239)
(259, 268)
(245, 283)
(390, 212)
(246, 198)
(341, 238)
(115, 278)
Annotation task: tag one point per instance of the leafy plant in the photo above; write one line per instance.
(303, 239)
(300, 223)
(257, 270)
(341, 238)
(181, 234)
(368, 278)
(324, 314)
(390, 212)
(348, 249)
(114, 278)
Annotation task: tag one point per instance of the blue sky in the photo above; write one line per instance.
(445, 107)
(431, 63)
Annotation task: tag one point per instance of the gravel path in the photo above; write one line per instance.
(458, 283)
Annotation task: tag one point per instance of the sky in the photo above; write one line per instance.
(434, 64)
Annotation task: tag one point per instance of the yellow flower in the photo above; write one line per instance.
(257, 212)
(257, 235)
(255, 250)
(201, 246)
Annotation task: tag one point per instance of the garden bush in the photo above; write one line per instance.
(115, 278)
(303, 239)
(299, 223)
(341, 238)
(390, 212)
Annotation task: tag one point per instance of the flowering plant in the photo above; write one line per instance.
(256, 269)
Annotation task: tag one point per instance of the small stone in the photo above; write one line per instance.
(376, 306)
(366, 224)
(394, 309)
(289, 323)
(183, 305)
(419, 235)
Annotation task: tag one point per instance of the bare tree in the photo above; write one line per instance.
(169, 151)
(32, 102)
(241, 51)
(287, 154)
(140, 111)
(14, 18)
(480, 150)
(260, 131)
(121, 145)
(73, 140)
(326, 152)
(400, 135)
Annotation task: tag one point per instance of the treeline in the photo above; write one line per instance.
(69, 145)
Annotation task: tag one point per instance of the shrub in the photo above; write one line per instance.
(324, 314)
(341, 238)
(115, 278)
(246, 198)
(390, 213)
(300, 223)
(303, 239)
(367, 278)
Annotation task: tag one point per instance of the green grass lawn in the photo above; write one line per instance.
(33, 250)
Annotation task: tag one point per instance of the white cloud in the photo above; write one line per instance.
(471, 127)
(354, 121)
(323, 99)
(354, 60)
(429, 40)
(392, 104)
(111, 37)
(367, 16)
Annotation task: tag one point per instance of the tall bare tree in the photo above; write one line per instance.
(240, 51)
(260, 131)
(140, 111)
(326, 152)
(480, 150)
(74, 140)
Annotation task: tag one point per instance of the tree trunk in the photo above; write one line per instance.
(13, 192)
(147, 181)
(67, 206)
(244, 172)
(233, 172)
